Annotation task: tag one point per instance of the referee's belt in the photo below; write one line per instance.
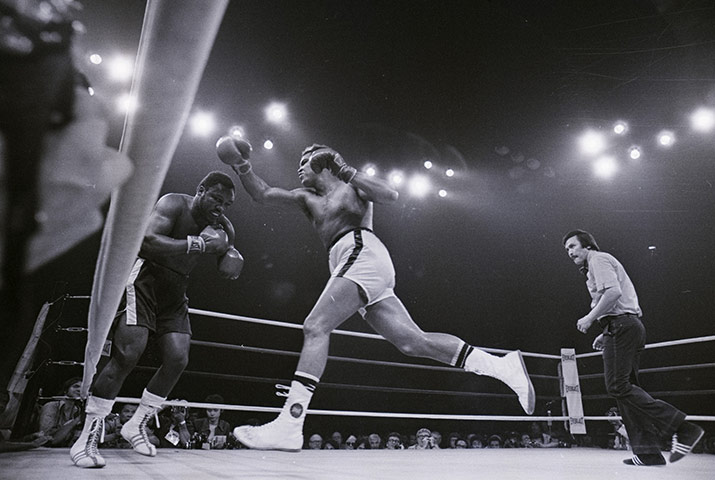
(606, 321)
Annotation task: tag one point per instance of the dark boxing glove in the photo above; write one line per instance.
(322, 157)
(215, 240)
(234, 152)
(230, 264)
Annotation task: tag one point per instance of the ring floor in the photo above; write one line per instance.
(502, 464)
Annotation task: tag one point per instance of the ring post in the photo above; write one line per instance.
(571, 390)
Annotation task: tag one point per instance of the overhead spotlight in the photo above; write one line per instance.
(419, 185)
(276, 112)
(370, 170)
(634, 152)
(127, 103)
(427, 164)
(666, 138)
(95, 59)
(592, 143)
(620, 127)
(449, 172)
(202, 123)
(605, 167)
(442, 193)
(236, 131)
(396, 178)
(703, 120)
(120, 68)
(268, 145)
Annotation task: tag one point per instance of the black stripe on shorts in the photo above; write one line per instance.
(354, 254)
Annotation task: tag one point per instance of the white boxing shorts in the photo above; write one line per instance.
(361, 257)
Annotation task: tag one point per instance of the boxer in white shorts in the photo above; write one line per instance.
(360, 256)
(338, 200)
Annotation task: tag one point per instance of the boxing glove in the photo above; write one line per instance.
(325, 157)
(234, 152)
(230, 264)
(215, 240)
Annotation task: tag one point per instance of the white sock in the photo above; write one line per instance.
(149, 404)
(99, 407)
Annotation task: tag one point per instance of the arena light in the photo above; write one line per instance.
(419, 185)
(666, 138)
(427, 164)
(592, 143)
(120, 68)
(605, 167)
(634, 152)
(126, 103)
(703, 120)
(202, 123)
(236, 131)
(268, 145)
(95, 59)
(449, 172)
(620, 127)
(396, 178)
(442, 193)
(276, 112)
(370, 170)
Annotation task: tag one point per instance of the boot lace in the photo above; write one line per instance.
(96, 435)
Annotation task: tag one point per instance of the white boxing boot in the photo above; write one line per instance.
(134, 431)
(286, 431)
(84, 452)
(510, 369)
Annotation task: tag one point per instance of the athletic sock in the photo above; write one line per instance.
(460, 356)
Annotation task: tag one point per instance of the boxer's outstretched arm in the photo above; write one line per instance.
(374, 189)
(265, 194)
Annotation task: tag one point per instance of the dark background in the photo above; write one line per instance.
(499, 91)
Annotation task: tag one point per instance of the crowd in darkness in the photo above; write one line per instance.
(59, 422)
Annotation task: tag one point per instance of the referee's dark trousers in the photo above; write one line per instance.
(647, 420)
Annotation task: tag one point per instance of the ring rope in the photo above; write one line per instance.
(669, 393)
(670, 343)
(346, 386)
(275, 323)
(429, 416)
(244, 348)
(693, 366)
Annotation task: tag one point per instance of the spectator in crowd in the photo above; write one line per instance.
(540, 438)
(437, 439)
(330, 444)
(475, 440)
(214, 429)
(460, 443)
(620, 436)
(512, 440)
(61, 420)
(350, 442)
(173, 431)
(394, 441)
(451, 439)
(375, 441)
(525, 441)
(494, 441)
(113, 425)
(337, 439)
(362, 443)
(424, 440)
(315, 442)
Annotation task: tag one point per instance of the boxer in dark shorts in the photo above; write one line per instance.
(181, 229)
(155, 298)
